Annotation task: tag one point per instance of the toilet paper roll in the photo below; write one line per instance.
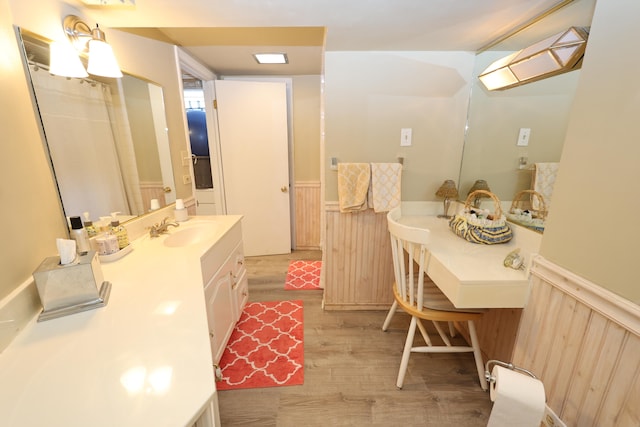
(519, 399)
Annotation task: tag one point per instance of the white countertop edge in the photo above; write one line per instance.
(76, 369)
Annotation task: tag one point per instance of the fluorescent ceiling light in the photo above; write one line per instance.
(554, 55)
(271, 58)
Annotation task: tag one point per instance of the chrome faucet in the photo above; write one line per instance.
(158, 229)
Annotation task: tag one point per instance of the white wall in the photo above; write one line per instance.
(593, 229)
(31, 217)
(370, 96)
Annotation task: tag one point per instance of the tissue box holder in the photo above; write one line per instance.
(72, 288)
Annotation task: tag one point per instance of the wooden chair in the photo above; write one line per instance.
(423, 300)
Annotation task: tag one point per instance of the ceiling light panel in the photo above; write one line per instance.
(271, 58)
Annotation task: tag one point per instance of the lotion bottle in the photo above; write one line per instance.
(88, 225)
(119, 231)
(79, 234)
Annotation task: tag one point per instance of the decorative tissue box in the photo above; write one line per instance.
(71, 288)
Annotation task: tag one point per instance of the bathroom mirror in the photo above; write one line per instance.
(106, 138)
(495, 118)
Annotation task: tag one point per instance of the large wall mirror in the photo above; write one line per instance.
(495, 118)
(107, 138)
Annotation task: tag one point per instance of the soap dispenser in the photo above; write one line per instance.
(88, 225)
(119, 231)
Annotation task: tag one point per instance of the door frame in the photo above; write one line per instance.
(189, 64)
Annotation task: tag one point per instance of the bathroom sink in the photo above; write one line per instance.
(189, 235)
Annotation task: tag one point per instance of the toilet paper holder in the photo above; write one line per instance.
(491, 379)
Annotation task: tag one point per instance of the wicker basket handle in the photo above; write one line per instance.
(496, 201)
(541, 212)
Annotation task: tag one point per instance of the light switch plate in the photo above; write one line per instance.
(405, 137)
(523, 137)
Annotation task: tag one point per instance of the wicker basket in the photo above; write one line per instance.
(488, 231)
(524, 201)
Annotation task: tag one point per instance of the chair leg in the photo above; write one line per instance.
(452, 329)
(444, 337)
(424, 333)
(404, 363)
(390, 314)
(477, 354)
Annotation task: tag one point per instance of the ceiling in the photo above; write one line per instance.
(223, 34)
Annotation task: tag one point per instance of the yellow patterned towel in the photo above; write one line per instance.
(544, 177)
(353, 185)
(385, 185)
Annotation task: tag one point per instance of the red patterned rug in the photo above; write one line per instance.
(303, 275)
(266, 348)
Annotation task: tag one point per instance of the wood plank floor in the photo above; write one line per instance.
(351, 368)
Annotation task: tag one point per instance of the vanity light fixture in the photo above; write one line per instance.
(554, 55)
(64, 60)
(449, 191)
(271, 58)
(102, 61)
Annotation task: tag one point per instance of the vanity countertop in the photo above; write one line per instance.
(473, 275)
(143, 359)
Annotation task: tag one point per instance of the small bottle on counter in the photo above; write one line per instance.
(119, 231)
(88, 225)
(107, 244)
(79, 234)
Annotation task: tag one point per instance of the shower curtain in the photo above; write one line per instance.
(82, 145)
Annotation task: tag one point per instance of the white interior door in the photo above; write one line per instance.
(252, 122)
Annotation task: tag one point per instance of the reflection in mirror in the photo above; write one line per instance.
(107, 139)
(495, 149)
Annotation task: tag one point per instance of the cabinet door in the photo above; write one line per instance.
(220, 314)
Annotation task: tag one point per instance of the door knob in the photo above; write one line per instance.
(284, 189)
(167, 189)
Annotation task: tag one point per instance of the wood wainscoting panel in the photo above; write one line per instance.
(583, 348)
(307, 216)
(357, 274)
(152, 190)
(357, 265)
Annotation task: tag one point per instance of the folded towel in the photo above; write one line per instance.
(544, 177)
(353, 185)
(385, 185)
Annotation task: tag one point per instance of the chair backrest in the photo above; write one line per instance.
(409, 251)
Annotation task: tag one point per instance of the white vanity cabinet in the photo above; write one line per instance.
(225, 288)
